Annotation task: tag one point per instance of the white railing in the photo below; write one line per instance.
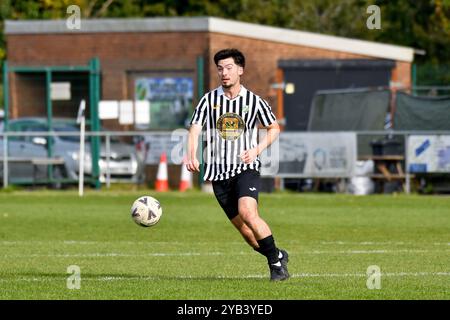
(177, 137)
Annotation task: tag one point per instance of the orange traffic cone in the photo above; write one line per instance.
(186, 177)
(162, 183)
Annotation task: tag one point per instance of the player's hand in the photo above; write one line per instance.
(248, 156)
(193, 165)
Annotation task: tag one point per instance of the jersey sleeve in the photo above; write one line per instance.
(199, 115)
(265, 114)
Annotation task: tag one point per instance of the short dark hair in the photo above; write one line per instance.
(237, 56)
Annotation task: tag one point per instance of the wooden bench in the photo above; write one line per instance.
(384, 164)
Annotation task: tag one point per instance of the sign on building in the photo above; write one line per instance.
(170, 99)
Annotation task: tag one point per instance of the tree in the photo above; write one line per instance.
(421, 24)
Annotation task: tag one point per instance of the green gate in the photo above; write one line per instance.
(93, 70)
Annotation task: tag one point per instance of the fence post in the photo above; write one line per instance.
(200, 92)
(108, 155)
(407, 178)
(5, 160)
(48, 102)
(94, 97)
(5, 122)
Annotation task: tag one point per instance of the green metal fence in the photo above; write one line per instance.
(431, 79)
(93, 69)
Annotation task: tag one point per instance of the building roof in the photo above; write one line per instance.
(217, 25)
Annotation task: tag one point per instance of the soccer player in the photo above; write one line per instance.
(230, 113)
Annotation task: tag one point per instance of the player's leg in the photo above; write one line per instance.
(227, 198)
(249, 237)
(248, 212)
(245, 231)
(277, 259)
(227, 194)
(248, 184)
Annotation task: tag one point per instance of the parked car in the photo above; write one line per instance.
(21, 167)
(125, 163)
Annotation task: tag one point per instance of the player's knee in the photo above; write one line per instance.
(247, 214)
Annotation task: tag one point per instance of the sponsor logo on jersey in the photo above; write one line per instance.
(230, 126)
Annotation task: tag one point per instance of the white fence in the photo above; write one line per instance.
(294, 155)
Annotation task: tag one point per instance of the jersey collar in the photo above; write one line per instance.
(241, 93)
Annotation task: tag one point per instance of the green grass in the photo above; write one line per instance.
(195, 253)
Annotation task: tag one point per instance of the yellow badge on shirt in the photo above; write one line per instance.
(230, 126)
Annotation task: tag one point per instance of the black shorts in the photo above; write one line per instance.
(227, 192)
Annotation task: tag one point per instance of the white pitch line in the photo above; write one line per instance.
(296, 242)
(250, 276)
(386, 274)
(381, 243)
(187, 254)
(109, 243)
(380, 251)
(112, 254)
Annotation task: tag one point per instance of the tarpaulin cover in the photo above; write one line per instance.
(421, 113)
(349, 111)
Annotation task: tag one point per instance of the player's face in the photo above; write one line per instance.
(229, 72)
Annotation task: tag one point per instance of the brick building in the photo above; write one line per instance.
(130, 49)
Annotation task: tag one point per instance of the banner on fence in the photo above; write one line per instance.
(429, 153)
(293, 154)
(302, 154)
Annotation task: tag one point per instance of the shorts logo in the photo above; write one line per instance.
(252, 189)
(230, 126)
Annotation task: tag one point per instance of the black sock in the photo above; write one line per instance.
(259, 251)
(267, 248)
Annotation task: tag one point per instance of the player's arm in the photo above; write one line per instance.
(197, 122)
(273, 130)
(192, 161)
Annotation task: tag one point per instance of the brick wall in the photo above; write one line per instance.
(123, 54)
(262, 58)
(120, 55)
(402, 74)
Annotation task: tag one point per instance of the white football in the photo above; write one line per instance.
(146, 211)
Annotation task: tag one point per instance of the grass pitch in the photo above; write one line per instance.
(195, 253)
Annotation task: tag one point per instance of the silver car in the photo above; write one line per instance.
(125, 163)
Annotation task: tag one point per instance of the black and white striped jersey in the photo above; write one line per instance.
(231, 128)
